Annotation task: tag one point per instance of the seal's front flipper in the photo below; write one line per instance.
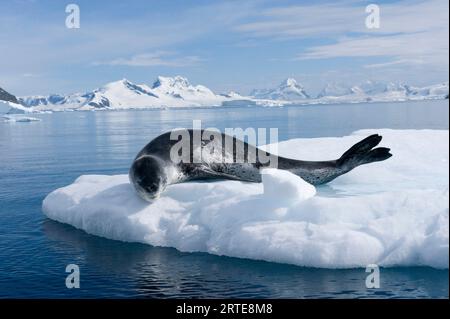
(206, 172)
(364, 152)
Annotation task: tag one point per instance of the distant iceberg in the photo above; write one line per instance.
(11, 108)
(4, 107)
(19, 118)
(392, 213)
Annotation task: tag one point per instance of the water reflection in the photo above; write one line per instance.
(154, 272)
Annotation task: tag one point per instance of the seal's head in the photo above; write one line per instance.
(148, 176)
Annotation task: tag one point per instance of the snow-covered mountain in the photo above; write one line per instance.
(164, 92)
(437, 90)
(366, 91)
(9, 104)
(288, 90)
(381, 91)
(335, 89)
(7, 97)
(167, 92)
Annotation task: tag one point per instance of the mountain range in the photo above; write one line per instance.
(381, 91)
(167, 92)
(288, 90)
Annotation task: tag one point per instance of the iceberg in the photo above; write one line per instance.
(4, 107)
(391, 213)
(10, 108)
(19, 118)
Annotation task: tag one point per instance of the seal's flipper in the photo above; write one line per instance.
(206, 172)
(318, 173)
(364, 152)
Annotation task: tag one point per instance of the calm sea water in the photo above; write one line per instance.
(37, 157)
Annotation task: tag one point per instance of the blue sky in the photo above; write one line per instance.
(225, 45)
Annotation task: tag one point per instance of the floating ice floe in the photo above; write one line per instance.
(391, 213)
(19, 118)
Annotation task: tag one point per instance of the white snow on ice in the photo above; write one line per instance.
(391, 213)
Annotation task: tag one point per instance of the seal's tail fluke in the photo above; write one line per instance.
(364, 152)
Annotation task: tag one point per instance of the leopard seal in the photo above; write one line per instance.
(154, 167)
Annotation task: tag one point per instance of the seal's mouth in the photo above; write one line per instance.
(144, 194)
(149, 197)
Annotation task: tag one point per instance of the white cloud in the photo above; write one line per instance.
(426, 47)
(158, 58)
(305, 21)
(411, 32)
(395, 62)
(30, 75)
(329, 20)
